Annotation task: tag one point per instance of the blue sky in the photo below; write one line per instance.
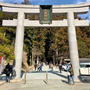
(52, 2)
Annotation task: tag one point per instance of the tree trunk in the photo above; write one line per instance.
(53, 60)
(25, 64)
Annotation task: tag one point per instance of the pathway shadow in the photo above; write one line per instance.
(45, 81)
(55, 72)
(64, 81)
(85, 78)
(37, 72)
(2, 78)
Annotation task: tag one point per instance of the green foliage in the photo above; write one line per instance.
(7, 51)
(7, 37)
(83, 41)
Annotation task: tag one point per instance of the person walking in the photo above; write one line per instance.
(71, 77)
(68, 73)
(8, 70)
(68, 76)
(60, 68)
(40, 67)
(35, 66)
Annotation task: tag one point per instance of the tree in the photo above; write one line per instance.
(6, 39)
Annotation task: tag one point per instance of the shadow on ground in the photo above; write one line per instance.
(59, 74)
(85, 79)
(2, 78)
(53, 72)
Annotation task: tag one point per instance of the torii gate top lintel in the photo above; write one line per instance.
(15, 8)
(37, 6)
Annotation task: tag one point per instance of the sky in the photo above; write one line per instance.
(52, 2)
(45, 2)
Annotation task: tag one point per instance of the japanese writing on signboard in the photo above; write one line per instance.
(45, 15)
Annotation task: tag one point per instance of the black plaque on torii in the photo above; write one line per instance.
(45, 14)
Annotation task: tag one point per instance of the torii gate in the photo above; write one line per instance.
(70, 22)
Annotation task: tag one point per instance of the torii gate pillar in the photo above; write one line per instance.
(74, 57)
(19, 43)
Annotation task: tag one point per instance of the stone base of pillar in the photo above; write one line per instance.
(77, 80)
(16, 80)
(2, 82)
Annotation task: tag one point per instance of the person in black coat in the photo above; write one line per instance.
(8, 70)
(60, 68)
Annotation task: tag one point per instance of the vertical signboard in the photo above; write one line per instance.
(45, 14)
